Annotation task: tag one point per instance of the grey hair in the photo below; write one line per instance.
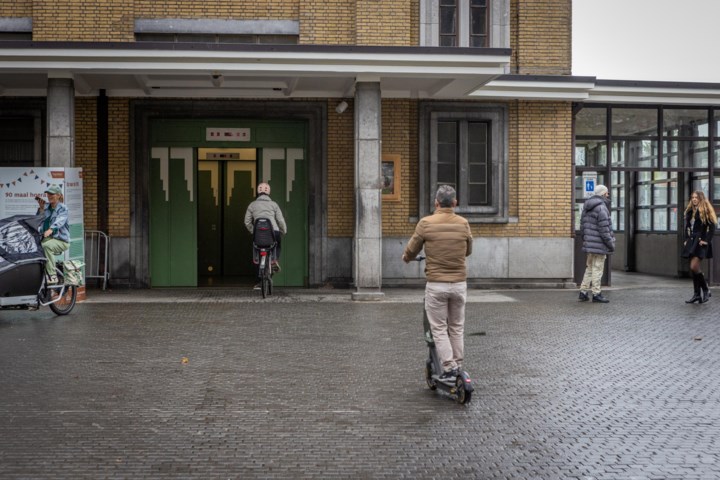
(445, 196)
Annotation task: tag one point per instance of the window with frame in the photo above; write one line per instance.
(463, 15)
(465, 23)
(466, 148)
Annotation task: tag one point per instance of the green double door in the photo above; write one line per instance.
(198, 198)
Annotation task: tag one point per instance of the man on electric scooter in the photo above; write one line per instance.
(447, 241)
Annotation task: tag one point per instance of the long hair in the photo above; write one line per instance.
(704, 208)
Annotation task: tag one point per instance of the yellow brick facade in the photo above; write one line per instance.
(16, 8)
(539, 133)
(541, 37)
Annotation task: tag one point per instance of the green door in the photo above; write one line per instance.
(198, 201)
(173, 214)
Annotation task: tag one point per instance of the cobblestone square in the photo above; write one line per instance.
(205, 384)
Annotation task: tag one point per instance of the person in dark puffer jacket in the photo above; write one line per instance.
(598, 242)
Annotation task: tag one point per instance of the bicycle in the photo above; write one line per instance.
(263, 253)
(23, 283)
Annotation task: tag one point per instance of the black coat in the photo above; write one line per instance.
(694, 232)
(596, 227)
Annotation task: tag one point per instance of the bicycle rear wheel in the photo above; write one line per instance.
(66, 302)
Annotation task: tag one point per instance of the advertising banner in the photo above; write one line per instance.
(20, 185)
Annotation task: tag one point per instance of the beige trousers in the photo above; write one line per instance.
(445, 307)
(594, 266)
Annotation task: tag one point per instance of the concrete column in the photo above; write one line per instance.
(367, 243)
(60, 122)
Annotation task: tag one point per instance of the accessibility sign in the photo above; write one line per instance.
(589, 180)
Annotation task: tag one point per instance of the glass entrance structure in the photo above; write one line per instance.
(651, 157)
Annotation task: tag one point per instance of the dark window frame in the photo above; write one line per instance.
(496, 118)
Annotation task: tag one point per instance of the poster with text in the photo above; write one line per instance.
(20, 185)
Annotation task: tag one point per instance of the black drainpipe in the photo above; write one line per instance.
(102, 162)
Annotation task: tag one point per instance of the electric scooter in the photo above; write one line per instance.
(460, 387)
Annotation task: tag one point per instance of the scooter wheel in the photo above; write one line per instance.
(463, 396)
(431, 383)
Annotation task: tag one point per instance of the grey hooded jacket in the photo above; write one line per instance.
(596, 227)
(264, 207)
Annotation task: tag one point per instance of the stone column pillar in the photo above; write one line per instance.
(367, 243)
(60, 122)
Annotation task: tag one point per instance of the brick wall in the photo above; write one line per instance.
(83, 20)
(340, 174)
(86, 155)
(219, 9)
(119, 166)
(543, 146)
(327, 22)
(383, 22)
(541, 37)
(16, 8)
(399, 136)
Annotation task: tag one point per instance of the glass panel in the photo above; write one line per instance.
(673, 190)
(643, 194)
(154, 37)
(478, 131)
(659, 219)
(591, 121)
(447, 132)
(477, 174)
(278, 39)
(700, 183)
(673, 219)
(621, 220)
(659, 196)
(478, 23)
(237, 38)
(448, 23)
(478, 195)
(685, 122)
(716, 190)
(643, 219)
(686, 154)
(446, 174)
(717, 155)
(634, 121)
(590, 153)
(197, 37)
(578, 214)
(635, 153)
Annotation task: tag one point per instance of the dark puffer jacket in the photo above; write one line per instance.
(596, 227)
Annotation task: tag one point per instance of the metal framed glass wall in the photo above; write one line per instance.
(651, 157)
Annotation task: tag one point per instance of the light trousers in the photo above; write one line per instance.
(594, 266)
(445, 307)
(51, 247)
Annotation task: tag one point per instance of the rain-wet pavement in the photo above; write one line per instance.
(217, 383)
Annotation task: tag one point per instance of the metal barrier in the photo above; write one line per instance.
(97, 256)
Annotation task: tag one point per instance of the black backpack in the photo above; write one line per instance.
(263, 233)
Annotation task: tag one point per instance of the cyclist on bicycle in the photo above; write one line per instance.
(55, 229)
(264, 207)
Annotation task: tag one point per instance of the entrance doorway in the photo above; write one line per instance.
(199, 190)
(226, 182)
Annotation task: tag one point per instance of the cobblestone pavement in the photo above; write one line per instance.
(216, 384)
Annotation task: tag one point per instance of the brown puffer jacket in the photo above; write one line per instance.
(447, 241)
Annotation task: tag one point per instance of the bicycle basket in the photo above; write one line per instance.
(263, 234)
(72, 270)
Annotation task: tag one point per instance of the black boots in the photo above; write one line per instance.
(704, 287)
(699, 284)
(696, 289)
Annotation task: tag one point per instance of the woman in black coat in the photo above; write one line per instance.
(700, 222)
